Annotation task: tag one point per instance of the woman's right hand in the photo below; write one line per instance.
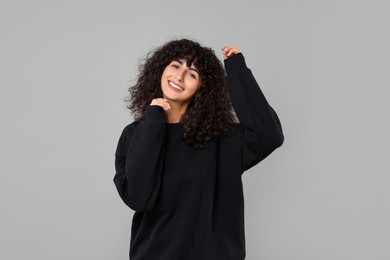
(161, 102)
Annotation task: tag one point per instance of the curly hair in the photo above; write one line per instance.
(210, 113)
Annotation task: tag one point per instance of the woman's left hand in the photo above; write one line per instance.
(229, 51)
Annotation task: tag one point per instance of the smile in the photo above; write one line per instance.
(176, 87)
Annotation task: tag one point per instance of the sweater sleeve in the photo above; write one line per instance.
(260, 127)
(138, 160)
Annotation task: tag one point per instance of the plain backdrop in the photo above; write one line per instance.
(65, 67)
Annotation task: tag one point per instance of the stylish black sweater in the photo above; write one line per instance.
(189, 203)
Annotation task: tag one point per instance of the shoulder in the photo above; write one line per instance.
(125, 137)
(130, 128)
(236, 131)
(128, 131)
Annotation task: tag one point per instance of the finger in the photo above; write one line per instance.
(223, 49)
(226, 49)
(163, 103)
(231, 52)
(166, 103)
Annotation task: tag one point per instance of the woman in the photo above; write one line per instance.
(179, 165)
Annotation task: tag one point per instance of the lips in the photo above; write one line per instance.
(175, 86)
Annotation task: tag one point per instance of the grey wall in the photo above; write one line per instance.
(64, 70)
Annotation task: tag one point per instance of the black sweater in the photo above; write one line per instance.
(189, 203)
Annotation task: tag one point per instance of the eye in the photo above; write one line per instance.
(192, 75)
(175, 65)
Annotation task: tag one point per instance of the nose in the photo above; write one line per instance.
(179, 76)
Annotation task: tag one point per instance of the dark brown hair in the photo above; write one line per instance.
(209, 113)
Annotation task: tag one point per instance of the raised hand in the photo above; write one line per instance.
(161, 102)
(229, 51)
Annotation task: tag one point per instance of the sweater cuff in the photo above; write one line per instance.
(235, 63)
(155, 115)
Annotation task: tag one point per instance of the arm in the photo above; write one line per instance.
(261, 129)
(138, 160)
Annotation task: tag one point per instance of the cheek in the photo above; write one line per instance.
(163, 73)
(198, 85)
(194, 86)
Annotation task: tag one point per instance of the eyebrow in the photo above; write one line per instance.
(181, 63)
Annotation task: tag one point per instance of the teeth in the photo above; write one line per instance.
(175, 86)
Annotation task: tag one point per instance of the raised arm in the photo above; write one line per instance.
(259, 124)
(138, 160)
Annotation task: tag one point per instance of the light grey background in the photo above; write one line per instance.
(323, 65)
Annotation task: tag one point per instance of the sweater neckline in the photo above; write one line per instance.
(173, 125)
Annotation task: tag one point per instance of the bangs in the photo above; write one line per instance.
(202, 58)
(191, 55)
(190, 58)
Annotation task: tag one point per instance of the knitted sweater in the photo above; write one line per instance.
(189, 203)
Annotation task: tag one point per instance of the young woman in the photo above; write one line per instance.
(179, 165)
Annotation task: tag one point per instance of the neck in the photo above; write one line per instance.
(176, 112)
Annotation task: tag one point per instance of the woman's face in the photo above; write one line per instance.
(179, 83)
